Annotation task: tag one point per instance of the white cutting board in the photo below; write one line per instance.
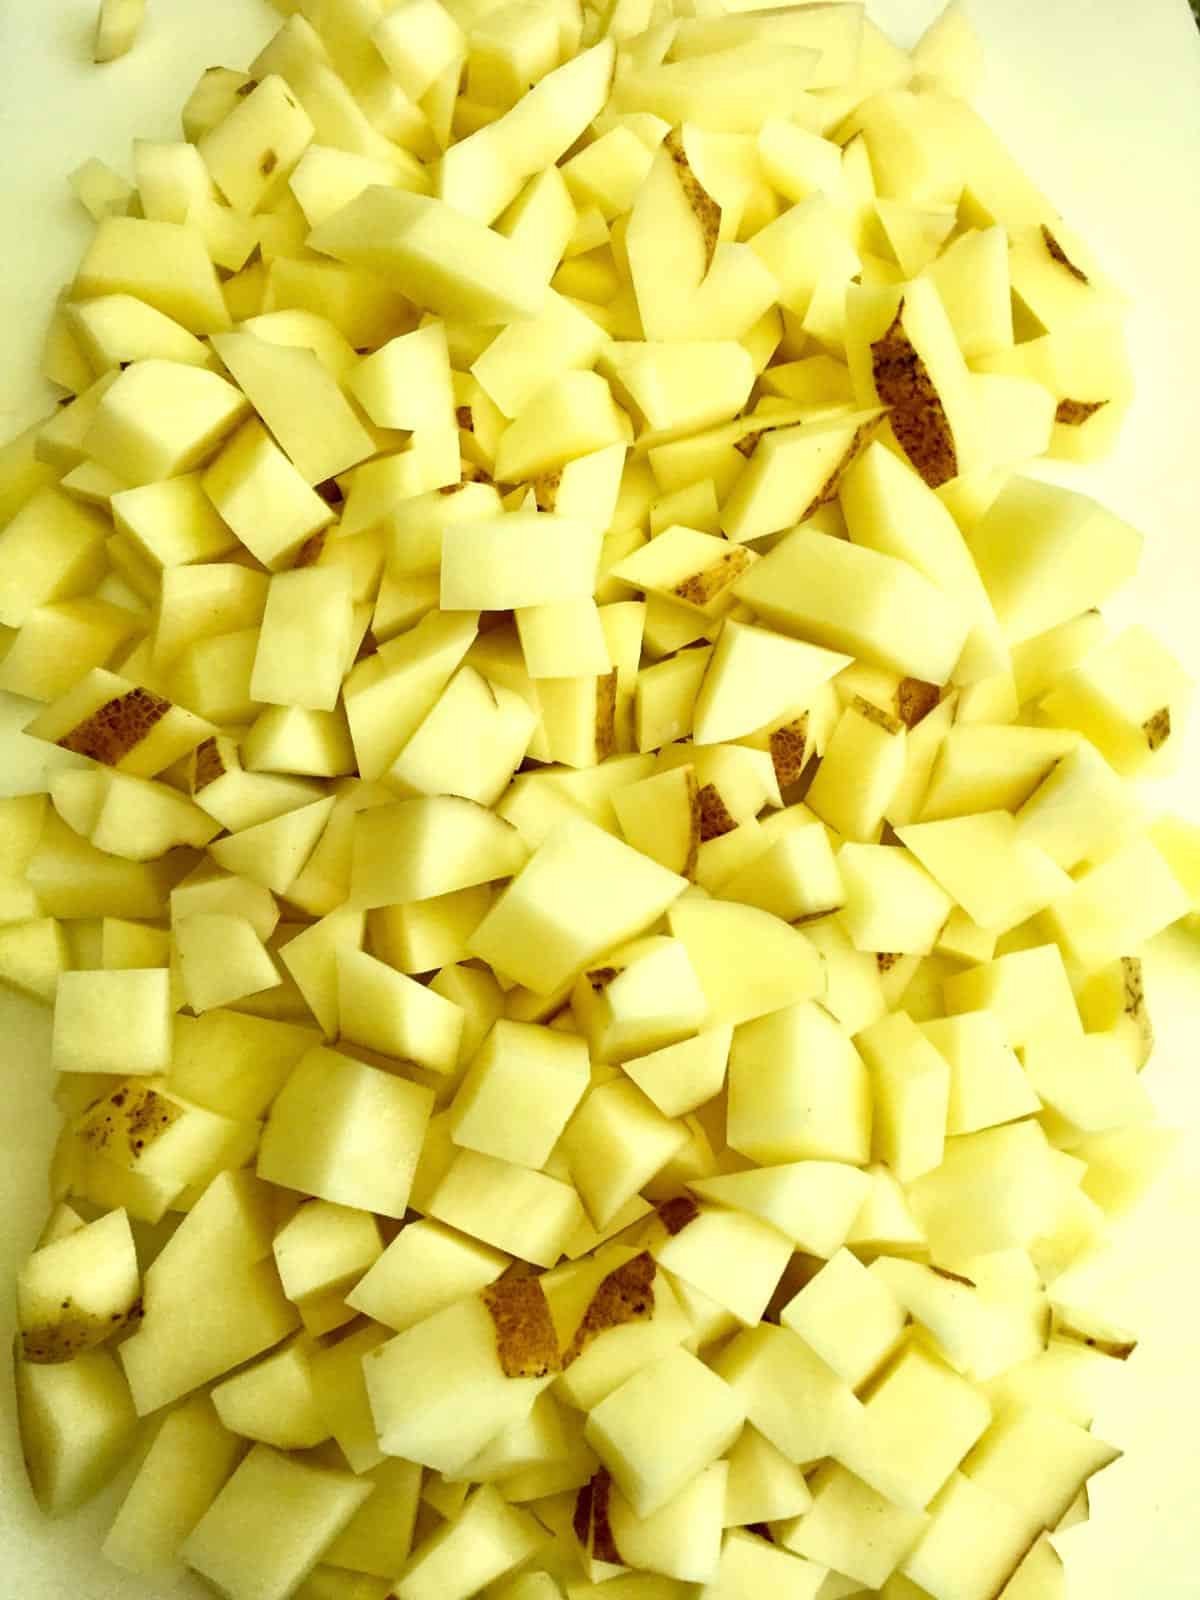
(1101, 100)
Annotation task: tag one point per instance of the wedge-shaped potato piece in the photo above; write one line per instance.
(903, 355)
(527, 355)
(792, 472)
(660, 817)
(221, 959)
(419, 44)
(77, 1292)
(120, 724)
(846, 598)
(1117, 905)
(406, 382)
(789, 1394)
(190, 1460)
(516, 1209)
(686, 385)
(388, 695)
(999, 878)
(678, 1078)
(884, 1450)
(769, 81)
(754, 677)
(273, 853)
(470, 744)
(347, 1133)
(1046, 554)
(835, 1530)
(266, 1529)
(425, 1269)
(751, 1565)
(485, 171)
(272, 1402)
(212, 1297)
(980, 1334)
(131, 817)
(430, 846)
(986, 767)
(300, 402)
(379, 1537)
(911, 1086)
(77, 1423)
(485, 1541)
(749, 962)
(33, 956)
(383, 1010)
(674, 218)
(988, 1085)
(433, 253)
(1128, 697)
(974, 284)
(862, 767)
(695, 569)
(813, 1202)
(889, 509)
(1063, 1457)
(761, 1482)
(263, 498)
(573, 415)
(643, 995)
(51, 549)
(849, 1317)
(164, 264)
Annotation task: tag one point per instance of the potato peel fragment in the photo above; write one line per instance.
(626, 1295)
(525, 1338)
(117, 728)
(918, 417)
(705, 209)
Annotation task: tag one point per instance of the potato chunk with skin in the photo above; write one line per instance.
(76, 1293)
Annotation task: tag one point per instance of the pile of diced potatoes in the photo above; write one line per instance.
(590, 881)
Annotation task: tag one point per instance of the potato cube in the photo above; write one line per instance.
(187, 1465)
(478, 1365)
(268, 1526)
(853, 1529)
(663, 1427)
(581, 893)
(525, 1213)
(520, 1091)
(304, 639)
(77, 1422)
(798, 1090)
(51, 548)
(851, 1319)
(263, 498)
(899, 1459)
(324, 1248)
(346, 1132)
(425, 1268)
(164, 264)
(251, 151)
(113, 1022)
(161, 418)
